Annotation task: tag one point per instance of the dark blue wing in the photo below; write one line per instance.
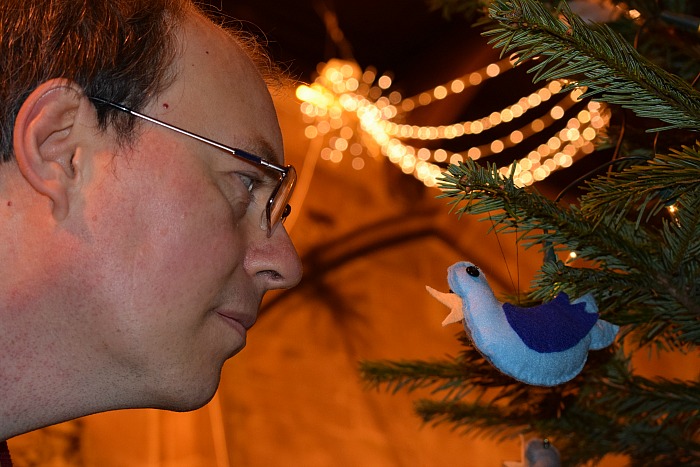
(551, 327)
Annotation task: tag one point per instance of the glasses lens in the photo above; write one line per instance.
(277, 206)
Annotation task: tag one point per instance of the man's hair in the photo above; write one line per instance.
(119, 50)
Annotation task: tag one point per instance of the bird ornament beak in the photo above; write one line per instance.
(451, 301)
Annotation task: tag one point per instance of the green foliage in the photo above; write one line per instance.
(604, 409)
(636, 228)
(648, 188)
(592, 56)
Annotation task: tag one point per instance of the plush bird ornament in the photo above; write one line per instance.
(536, 453)
(544, 345)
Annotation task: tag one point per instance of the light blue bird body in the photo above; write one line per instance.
(544, 345)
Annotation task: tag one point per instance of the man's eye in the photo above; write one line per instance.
(248, 181)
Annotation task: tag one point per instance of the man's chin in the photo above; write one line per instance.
(186, 405)
(188, 397)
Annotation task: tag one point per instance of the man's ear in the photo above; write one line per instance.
(46, 138)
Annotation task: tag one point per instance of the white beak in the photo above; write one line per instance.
(450, 300)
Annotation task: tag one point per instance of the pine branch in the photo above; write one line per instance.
(663, 402)
(413, 375)
(605, 409)
(521, 409)
(585, 434)
(455, 379)
(539, 221)
(657, 420)
(586, 431)
(645, 188)
(475, 417)
(681, 260)
(595, 58)
(598, 431)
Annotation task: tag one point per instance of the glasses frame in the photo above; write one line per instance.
(287, 174)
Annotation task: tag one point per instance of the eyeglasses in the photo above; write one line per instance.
(277, 208)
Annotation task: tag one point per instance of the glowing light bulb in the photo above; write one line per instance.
(572, 134)
(554, 86)
(457, 86)
(557, 112)
(408, 105)
(474, 153)
(554, 143)
(516, 137)
(440, 92)
(584, 116)
(384, 82)
(535, 156)
(545, 94)
(352, 84)
(336, 156)
(311, 95)
(323, 127)
(423, 154)
(311, 132)
(588, 134)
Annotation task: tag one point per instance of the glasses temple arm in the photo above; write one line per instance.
(250, 157)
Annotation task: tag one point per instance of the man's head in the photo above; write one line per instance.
(135, 254)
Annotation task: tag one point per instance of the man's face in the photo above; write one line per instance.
(183, 260)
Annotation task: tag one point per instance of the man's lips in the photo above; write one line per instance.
(242, 322)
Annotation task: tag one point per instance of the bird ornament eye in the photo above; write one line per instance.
(473, 271)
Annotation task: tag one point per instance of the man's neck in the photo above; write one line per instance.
(45, 382)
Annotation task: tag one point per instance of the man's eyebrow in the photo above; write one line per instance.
(263, 149)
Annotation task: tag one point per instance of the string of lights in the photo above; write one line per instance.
(356, 112)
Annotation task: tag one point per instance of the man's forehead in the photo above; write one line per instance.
(219, 92)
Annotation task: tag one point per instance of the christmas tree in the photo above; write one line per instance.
(635, 225)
